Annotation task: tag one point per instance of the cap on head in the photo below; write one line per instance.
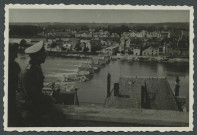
(34, 48)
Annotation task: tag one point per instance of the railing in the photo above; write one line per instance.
(49, 91)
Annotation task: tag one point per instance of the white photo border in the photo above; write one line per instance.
(107, 7)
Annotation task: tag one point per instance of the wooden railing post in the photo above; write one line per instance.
(177, 86)
(108, 84)
(116, 89)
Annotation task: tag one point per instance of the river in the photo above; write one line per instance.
(95, 90)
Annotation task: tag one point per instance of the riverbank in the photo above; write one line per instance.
(70, 55)
(162, 59)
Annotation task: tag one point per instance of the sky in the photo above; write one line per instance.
(97, 16)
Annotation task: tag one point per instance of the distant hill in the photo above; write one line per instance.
(33, 29)
(105, 25)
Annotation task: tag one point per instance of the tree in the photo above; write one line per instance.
(24, 30)
(130, 52)
(83, 27)
(53, 45)
(95, 48)
(78, 47)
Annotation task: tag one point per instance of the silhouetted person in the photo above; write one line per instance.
(33, 77)
(32, 81)
(40, 108)
(13, 79)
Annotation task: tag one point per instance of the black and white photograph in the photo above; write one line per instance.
(122, 68)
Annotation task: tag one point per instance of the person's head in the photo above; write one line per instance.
(13, 49)
(37, 53)
(38, 57)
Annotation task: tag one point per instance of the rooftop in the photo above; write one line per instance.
(159, 95)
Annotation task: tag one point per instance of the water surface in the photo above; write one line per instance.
(95, 90)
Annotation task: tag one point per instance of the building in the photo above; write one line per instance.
(151, 51)
(103, 33)
(86, 43)
(111, 50)
(103, 42)
(154, 34)
(148, 93)
(96, 34)
(77, 35)
(62, 34)
(140, 34)
(165, 50)
(134, 34)
(67, 45)
(143, 34)
(125, 34)
(55, 49)
(136, 51)
(115, 35)
(114, 43)
(48, 44)
(165, 34)
(84, 34)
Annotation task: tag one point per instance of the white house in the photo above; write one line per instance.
(67, 45)
(165, 34)
(136, 51)
(153, 34)
(86, 34)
